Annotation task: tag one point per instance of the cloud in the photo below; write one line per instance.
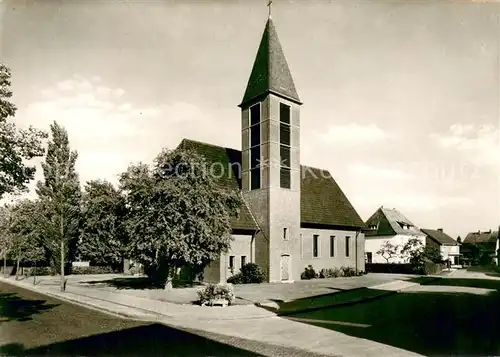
(109, 131)
(478, 144)
(378, 172)
(353, 134)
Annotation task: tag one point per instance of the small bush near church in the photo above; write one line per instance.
(236, 279)
(250, 273)
(348, 271)
(330, 273)
(309, 273)
(214, 292)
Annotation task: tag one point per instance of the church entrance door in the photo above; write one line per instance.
(285, 267)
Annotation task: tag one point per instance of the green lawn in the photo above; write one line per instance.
(425, 322)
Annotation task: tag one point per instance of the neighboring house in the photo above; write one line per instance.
(488, 243)
(389, 225)
(293, 215)
(449, 248)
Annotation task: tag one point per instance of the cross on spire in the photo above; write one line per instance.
(269, 6)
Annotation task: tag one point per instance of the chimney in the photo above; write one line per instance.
(440, 230)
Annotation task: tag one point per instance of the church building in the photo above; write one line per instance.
(293, 215)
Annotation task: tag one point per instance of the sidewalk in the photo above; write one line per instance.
(142, 308)
(247, 322)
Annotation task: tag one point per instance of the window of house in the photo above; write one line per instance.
(285, 231)
(231, 262)
(315, 245)
(332, 246)
(255, 146)
(369, 257)
(243, 260)
(285, 142)
(347, 247)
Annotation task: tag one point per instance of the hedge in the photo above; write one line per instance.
(92, 270)
(391, 268)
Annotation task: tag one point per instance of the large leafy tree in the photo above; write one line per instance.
(5, 235)
(60, 196)
(103, 236)
(16, 145)
(178, 215)
(25, 231)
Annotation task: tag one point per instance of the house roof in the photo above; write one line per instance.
(482, 237)
(270, 72)
(390, 222)
(439, 236)
(322, 202)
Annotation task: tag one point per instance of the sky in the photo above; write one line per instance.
(401, 98)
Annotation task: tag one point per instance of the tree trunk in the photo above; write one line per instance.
(5, 263)
(17, 267)
(34, 276)
(170, 277)
(63, 283)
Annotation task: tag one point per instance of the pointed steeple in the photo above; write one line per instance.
(270, 72)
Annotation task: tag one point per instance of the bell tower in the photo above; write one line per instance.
(270, 113)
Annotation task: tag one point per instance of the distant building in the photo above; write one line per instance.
(486, 243)
(389, 225)
(449, 248)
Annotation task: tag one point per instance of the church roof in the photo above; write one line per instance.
(322, 202)
(270, 72)
(390, 222)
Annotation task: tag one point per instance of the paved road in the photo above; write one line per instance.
(452, 316)
(33, 324)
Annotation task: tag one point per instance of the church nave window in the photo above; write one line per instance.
(315, 246)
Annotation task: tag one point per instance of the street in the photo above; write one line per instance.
(450, 316)
(33, 324)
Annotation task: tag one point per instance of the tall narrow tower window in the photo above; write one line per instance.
(255, 146)
(285, 142)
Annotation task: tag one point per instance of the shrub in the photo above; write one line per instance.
(348, 271)
(236, 279)
(308, 273)
(212, 292)
(431, 268)
(252, 274)
(40, 271)
(330, 273)
(91, 270)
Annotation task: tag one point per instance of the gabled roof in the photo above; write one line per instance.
(322, 202)
(390, 222)
(270, 72)
(481, 237)
(439, 236)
